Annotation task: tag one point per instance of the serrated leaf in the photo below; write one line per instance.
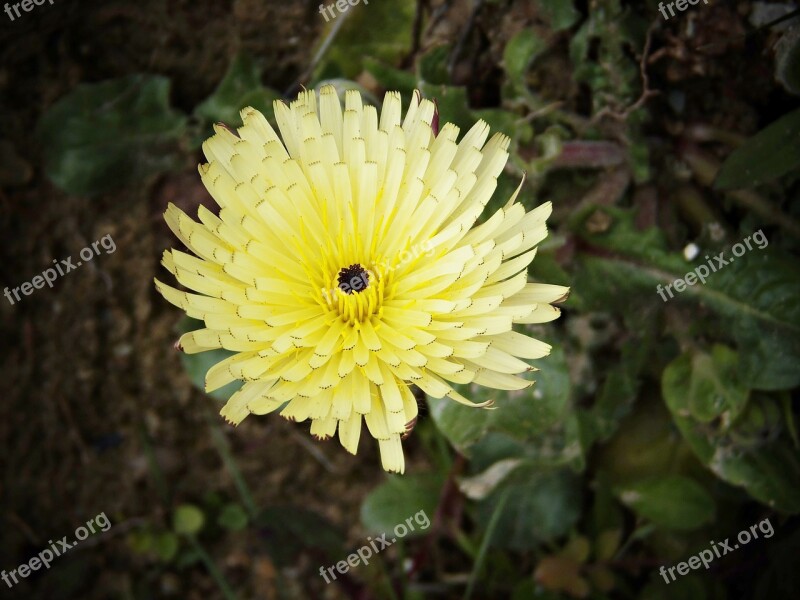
(103, 136)
(758, 292)
(670, 501)
(769, 472)
(772, 152)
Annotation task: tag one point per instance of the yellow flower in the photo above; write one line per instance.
(344, 265)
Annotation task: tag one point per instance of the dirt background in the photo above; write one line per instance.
(92, 388)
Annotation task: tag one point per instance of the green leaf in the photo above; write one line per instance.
(670, 501)
(540, 507)
(757, 293)
(760, 293)
(197, 365)
(521, 417)
(233, 517)
(103, 136)
(561, 13)
(769, 471)
(390, 78)
(141, 541)
(241, 87)
(519, 53)
(606, 544)
(400, 498)
(166, 545)
(187, 519)
(432, 66)
(504, 121)
(452, 102)
(772, 152)
(710, 383)
(771, 475)
(620, 388)
(381, 30)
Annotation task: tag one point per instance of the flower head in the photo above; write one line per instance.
(345, 265)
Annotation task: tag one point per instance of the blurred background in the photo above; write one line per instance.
(654, 428)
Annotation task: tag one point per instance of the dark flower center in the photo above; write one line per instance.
(352, 279)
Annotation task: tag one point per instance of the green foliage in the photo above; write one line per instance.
(103, 136)
(601, 57)
(399, 498)
(560, 13)
(758, 294)
(714, 388)
(766, 465)
(670, 501)
(539, 506)
(241, 87)
(520, 51)
(391, 78)
(188, 519)
(769, 154)
(380, 30)
(535, 424)
(233, 517)
(166, 545)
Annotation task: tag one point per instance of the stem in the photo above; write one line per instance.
(473, 578)
(215, 573)
(224, 449)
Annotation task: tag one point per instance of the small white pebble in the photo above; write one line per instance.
(691, 251)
